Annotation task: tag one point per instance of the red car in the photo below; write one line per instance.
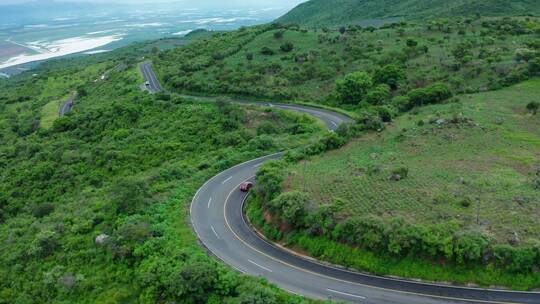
(244, 187)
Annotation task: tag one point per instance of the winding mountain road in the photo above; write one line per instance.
(218, 220)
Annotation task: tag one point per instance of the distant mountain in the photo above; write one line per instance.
(339, 12)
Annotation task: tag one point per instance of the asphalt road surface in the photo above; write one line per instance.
(150, 79)
(218, 220)
(66, 107)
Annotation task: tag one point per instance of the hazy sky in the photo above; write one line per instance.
(289, 3)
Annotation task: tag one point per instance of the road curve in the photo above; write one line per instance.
(218, 220)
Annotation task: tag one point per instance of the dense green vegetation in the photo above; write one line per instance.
(295, 63)
(455, 184)
(94, 205)
(317, 13)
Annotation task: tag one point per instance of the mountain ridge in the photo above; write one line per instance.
(341, 12)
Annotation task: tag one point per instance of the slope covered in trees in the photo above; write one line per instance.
(296, 63)
(93, 206)
(318, 13)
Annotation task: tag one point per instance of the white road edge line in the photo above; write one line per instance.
(214, 231)
(346, 294)
(257, 165)
(335, 124)
(228, 179)
(267, 269)
(209, 202)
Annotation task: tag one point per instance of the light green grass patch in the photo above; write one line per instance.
(49, 113)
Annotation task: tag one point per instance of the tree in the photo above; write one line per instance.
(462, 53)
(342, 30)
(391, 75)
(291, 206)
(533, 107)
(249, 56)
(353, 88)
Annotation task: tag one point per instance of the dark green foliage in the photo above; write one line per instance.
(129, 196)
(411, 43)
(269, 179)
(267, 51)
(378, 95)
(122, 165)
(533, 107)
(391, 75)
(353, 88)
(287, 47)
(42, 210)
(435, 93)
(290, 206)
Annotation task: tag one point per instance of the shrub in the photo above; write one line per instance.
(402, 103)
(411, 43)
(269, 179)
(469, 246)
(378, 95)
(267, 51)
(368, 120)
(435, 93)
(534, 66)
(249, 56)
(287, 47)
(466, 202)
(267, 128)
(401, 171)
(129, 196)
(291, 206)
(533, 107)
(386, 113)
(278, 34)
(353, 87)
(43, 210)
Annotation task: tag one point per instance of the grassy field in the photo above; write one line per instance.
(471, 161)
(49, 113)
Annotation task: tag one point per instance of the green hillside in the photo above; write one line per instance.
(123, 165)
(457, 184)
(340, 12)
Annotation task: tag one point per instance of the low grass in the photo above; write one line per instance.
(50, 112)
(488, 158)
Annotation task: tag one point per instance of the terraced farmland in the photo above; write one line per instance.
(474, 161)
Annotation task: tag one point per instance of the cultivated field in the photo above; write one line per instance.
(472, 161)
